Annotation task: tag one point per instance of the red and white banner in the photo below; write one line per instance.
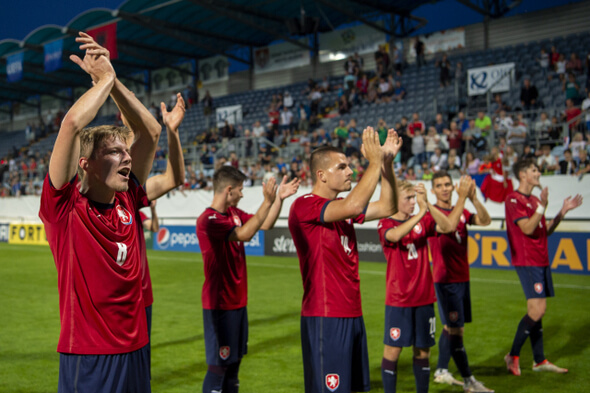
(106, 36)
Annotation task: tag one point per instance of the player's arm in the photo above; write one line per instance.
(145, 127)
(158, 185)
(568, 204)
(394, 235)
(285, 190)
(152, 224)
(387, 204)
(246, 232)
(446, 224)
(528, 224)
(66, 151)
(357, 200)
(481, 216)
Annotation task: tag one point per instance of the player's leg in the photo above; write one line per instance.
(442, 374)
(360, 372)
(424, 331)
(231, 382)
(399, 333)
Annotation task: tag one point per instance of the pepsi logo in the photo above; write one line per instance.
(163, 238)
(395, 333)
(124, 215)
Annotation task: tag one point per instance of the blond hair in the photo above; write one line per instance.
(92, 137)
(404, 185)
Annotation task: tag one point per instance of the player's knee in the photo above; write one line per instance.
(217, 370)
(391, 353)
(421, 353)
(456, 331)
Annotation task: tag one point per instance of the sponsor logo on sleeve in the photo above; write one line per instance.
(332, 381)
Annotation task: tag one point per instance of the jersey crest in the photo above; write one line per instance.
(332, 381)
(395, 333)
(463, 220)
(538, 287)
(237, 221)
(418, 228)
(453, 316)
(224, 352)
(124, 215)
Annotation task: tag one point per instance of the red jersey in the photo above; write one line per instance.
(409, 280)
(328, 259)
(96, 248)
(525, 250)
(146, 281)
(418, 125)
(226, 282)
(449, 251)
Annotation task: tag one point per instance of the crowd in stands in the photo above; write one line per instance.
(457, 143)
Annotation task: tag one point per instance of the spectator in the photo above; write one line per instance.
(418, 146)
(454, 137)
(474, 140)
(554, 58)
(324, 138)
(574, 65)
(324, 85)
(577, 143)
(360, 62)
(207, 107)
(304, 114)
(353, 97)
(372, 95)
(583, 163)
(445, 70)
(510, 157)
(437, 160)
(528, 152)
(543, 61)
(547, 163)
(426, 171)
(419, 48)
(362, 85)
(517, 135)
(399, 92)
(354, 140)
(382, 61)
(560, 67)
(484, 123)
(311, 84)
(453, 169)
(410, 174)
(416, 124)
(343, 105)
(384, 90)
(471, 165)
(404, 132)
(439, 123)
(258, 130)
(341, 132)
(288, 100)
(571, 114)
(315, 97)
(462, 122)
(273, 118)
(431, 142)
(352, 127)
(382, 130)
(571, 88)
(567, 166)
(502, 124)
(286, 120)
(528, 95)
(586, 110)
(541, 128)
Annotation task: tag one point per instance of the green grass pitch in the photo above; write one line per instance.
(29, 326)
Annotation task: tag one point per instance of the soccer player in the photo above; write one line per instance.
(92, 228)
(527, 234)
(222, 230)
(409, 299)
(451, 282)
(333, 337)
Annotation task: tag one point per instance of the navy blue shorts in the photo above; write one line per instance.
(226, 336)
(536, 281)
(335, 354)
(410, 326)
(122, 373)
(454, 303)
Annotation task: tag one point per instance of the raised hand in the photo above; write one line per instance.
(464, 186)
(392, 144)
(96, 60)
(288, 189)
(421, 197)
(472, 191)
(545, 196)
(371, 148)
(269, 189)
(570, 203)
(173, 118)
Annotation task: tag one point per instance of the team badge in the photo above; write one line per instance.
(418, 228)
(538, 288)
(453, 316)
(224, 352)
(124, 215)
(395, 333)
(463, 218)
(332, 381)
(237, 221)
(349, 221)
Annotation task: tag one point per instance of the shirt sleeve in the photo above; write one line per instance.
(55, 204)
(244, 217)
(429, 225)
(382, 228)
(215, 226)
(469, 217)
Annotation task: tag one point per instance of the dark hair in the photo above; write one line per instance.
(227, 175)
(567, 151)
(522, 165)
(318, 158)
(439, 175)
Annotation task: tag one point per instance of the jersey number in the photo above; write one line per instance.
(122, 253)
(432, 322)
(412, 253)
(344, 240)
(458, 237)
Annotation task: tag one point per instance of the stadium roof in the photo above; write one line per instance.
(153, 34)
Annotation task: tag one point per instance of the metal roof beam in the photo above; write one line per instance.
(343, 10)
(383, 7)
(473, 6)
(230, 13)
(151, 48)
(145, 22)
